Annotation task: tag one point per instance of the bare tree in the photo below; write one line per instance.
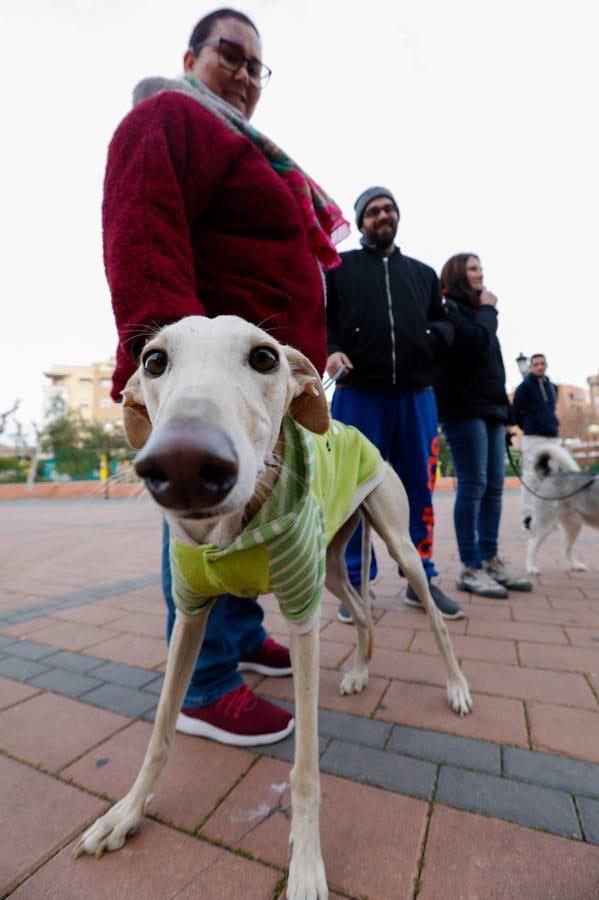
(5, 416)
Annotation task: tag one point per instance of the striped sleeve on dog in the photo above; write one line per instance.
(283, 548)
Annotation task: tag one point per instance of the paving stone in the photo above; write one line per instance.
(38, 814)
(362, 704)
(199, 773)
(370, 838)
(12, 692)
(424, 706)
(157, 864)
(72, 636)
(120, 699)
(128, 676)
(472, 857)
(589, 813)
(29, 650)
(155, 686)
(525, 804)
(572, 775)
(285, 750)
(71, 684)
(401, 774)
(50, 731)
(21, 669)
(356, 729)
(133, 649)
(73, 662)
(446, 748)
(574, 732)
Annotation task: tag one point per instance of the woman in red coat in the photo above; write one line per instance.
(203, 215)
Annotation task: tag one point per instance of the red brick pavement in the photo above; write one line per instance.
(532, 661)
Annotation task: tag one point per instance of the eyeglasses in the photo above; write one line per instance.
(232, 58)
(373, 211)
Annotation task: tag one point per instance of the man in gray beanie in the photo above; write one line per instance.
(369, 194)
(386, 323)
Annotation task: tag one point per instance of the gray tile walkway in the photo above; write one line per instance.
(534, 789)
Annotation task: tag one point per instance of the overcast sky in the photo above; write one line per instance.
(480, 116)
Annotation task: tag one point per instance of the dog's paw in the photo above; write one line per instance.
(533, 570)
(111, 830)
(353, 682)
(578, 566)
(458, 695)
(307, 879)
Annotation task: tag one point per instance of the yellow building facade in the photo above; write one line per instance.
(85, 389)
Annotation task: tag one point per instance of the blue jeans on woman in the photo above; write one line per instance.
(234, 630)
(477, 449)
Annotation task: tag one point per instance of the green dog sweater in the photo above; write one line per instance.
(282, 550)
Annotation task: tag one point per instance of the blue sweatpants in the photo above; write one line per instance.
(403, 424)
(234, 630)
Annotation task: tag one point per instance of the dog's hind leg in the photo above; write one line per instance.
(570, 527)
(388, 510)
(111, 830)
(541, 530)
(307, 879)
(338, 584)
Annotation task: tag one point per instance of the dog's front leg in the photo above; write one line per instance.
(111, 830)
(307, 879)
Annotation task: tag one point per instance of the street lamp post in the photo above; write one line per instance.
(523, 364)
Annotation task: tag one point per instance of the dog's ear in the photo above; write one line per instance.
(135, 415)
(308, 403)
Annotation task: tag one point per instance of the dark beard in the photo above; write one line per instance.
(380, 240)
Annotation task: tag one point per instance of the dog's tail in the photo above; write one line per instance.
(365, 582)
(552, 458)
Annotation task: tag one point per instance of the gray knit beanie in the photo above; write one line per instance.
(368, 195)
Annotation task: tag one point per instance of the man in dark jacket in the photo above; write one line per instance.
(534, 411)
(386, 323)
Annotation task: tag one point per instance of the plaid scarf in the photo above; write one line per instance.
(323, 220)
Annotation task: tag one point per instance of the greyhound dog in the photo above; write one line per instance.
(567, 498)
(217, 409)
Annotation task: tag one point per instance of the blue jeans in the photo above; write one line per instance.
(234, 629)
(403, 424)
(477, 449)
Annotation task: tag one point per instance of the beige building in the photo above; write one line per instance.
(85, 389)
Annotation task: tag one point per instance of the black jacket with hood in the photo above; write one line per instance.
(470, 380)
(534, 406)
(387, 315)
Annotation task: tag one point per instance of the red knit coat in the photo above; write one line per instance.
(196, 222)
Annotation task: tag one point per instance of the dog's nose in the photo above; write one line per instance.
(188, 466)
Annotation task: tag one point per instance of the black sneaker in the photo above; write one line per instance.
(448, 608)
(344, 615)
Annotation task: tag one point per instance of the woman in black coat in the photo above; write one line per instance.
(474, 412)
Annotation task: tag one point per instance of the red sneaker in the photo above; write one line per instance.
(271, 659)
(240, 718)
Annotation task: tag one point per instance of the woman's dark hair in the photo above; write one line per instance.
(203, 29)
(454, 281)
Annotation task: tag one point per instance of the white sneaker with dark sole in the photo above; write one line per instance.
(478, 582)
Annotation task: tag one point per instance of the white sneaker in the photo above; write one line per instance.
(479, 582)
(497, 570)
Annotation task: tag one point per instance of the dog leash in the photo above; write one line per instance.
(333, 378)
(508, 447)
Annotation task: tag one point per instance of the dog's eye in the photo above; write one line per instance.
(264, 359)
(155, 363)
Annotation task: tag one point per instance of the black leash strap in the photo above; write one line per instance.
(518, 474)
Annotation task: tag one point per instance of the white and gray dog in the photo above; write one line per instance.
(568, 499)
